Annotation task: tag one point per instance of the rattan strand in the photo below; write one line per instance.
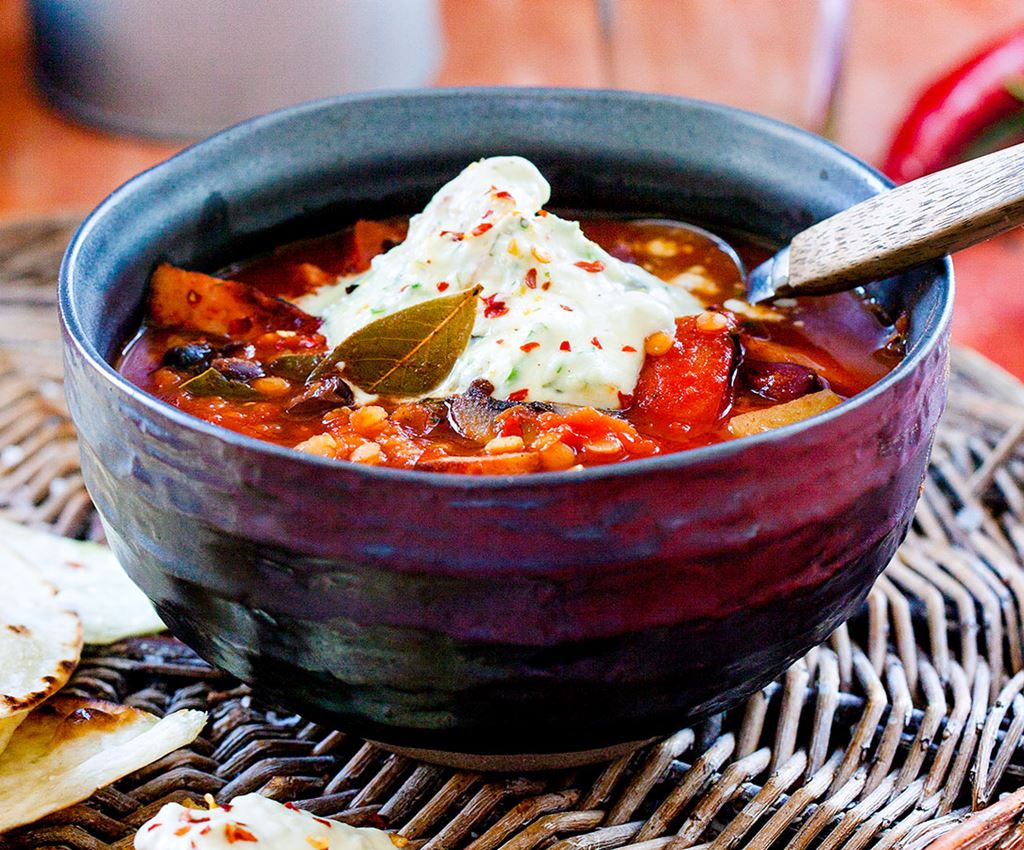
(886, 736)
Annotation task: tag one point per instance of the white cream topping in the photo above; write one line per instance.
(270, 823)
(583, 322)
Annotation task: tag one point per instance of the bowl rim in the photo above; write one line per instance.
(75, 337)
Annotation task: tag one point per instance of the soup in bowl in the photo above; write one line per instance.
(489, 336)
(536, 552)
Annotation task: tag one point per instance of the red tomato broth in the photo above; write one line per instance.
(683, 398)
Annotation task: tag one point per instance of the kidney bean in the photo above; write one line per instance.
(237, 369)
(779, 381)
(191, 357)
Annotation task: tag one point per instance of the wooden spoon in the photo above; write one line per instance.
(899, 229)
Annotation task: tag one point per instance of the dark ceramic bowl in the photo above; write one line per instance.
(543, 614)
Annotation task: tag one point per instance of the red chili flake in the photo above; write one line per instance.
(531, 279)
(503, 194)
(235, 832)
(404, 288)
(625, 400)
(499, 341)
(519, 395)
(542, 213)
(565, 346)
(455, 234)
(596, 266)
(291, 806)
(190, 816)
(488, 213)
(481, 229)
(529, 346)
(442, 286)
(546, 285)
(566, 307)
(75, 564)
(494, 307)
(227, 807)
(182, 830)
(205, 829)
(153, 826)
(629, 349)
(193, 297)
(596, 343)
(326, 823)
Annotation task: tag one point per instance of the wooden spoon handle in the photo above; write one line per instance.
(906, 226)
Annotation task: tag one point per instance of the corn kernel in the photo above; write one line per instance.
(557, 456)
(339, 414)
(540, 255)
(366, 453)
(657, 344)
(711, 322)
(605, 446)
(513, 248)
(272, 386)
(319, 444)
(504, 445)
(367, 420)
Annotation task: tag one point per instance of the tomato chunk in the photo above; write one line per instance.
(686, 389)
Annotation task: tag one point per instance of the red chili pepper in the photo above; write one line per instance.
(519, 395)
(596, 266)
(531, 279)
(565, 346)
(529, 346)
(480, 229)
(954, 110)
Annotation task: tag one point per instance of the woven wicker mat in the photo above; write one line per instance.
(887, 735)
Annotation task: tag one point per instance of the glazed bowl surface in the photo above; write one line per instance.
(545, 614)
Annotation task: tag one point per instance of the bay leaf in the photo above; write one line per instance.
(212, 382)
(409, 352)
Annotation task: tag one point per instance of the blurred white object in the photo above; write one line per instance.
(186, 68)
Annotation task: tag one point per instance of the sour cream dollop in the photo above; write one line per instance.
(559, 318)
(253, 821)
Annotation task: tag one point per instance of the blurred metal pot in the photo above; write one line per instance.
(186, 68)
